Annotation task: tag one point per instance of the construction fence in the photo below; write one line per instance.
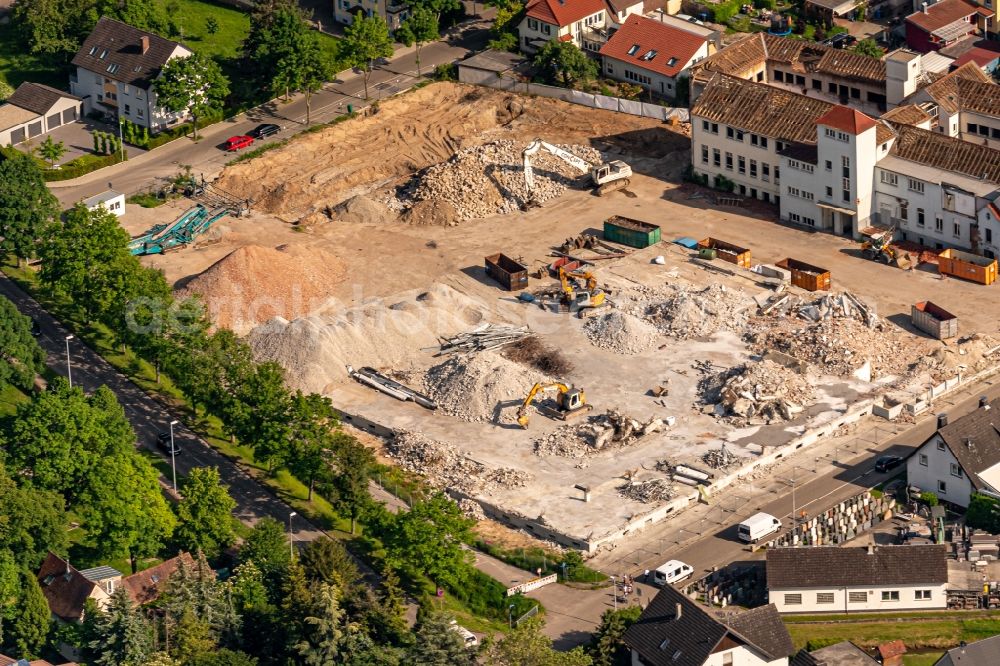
(632, 107)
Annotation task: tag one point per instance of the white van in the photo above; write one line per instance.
(470, 639)
(672, 572)
(758, 526)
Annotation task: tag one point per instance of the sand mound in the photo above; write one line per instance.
(433, 212)
(483, 386)
(315, 350)
(253, 284)
(620, 332)
(361, 210)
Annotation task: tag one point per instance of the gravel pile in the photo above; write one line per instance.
(444, 466)
(621, 333)
(720, 459)
(647, 492)
(489, 179)
(612, 430)
(685, 311)
(482, 386)
(756, 393)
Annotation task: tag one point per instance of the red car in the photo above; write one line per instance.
(235, 143)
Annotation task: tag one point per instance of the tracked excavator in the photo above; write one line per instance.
(591, 297)
(570, 402)
(608, 177)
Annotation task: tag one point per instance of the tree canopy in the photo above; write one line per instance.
(26, 205)
(564, 63)
(205, 514)
(194, 84)
(365, 41)
(868, 47)
(21, 359)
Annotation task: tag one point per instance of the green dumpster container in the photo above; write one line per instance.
(634, 233)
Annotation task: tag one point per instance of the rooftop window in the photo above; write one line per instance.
(634, 49)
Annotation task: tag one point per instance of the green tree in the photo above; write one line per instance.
(262, 47)
(282, 43)
(32, 522)
(437, 8)
(195, 590)
(365, 41)
(983, 513)
(10, 589)
(22, 359)
(267, 547)
(26, 205)
(311, 438)
(324, 641)
(606, 647)
(51, 150)
(327, 561)
(420, 27)
(258, 414)
(142, 14)
(526, 645)
(224, 657)
(428, 539)
(868, 47)
(247, 587)
(124, 636)
(194, 84)
(53, 28)
(437, 644)
(6, 90)
(211, 25)
(564, 63)
(205, 514)
(315, 69)
(355, 462)
(192, 638)
(30, 626)
(504, 28)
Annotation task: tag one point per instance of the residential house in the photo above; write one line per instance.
(713, 37)
(844, 653)
(116, 71)
(833, 579)
(33, 110)
(989, 21)
(393, 12)
(827, 10)
(66, 589)
(652, 54)
(107, 577)
(965, 103)
(978, 653)
(146, 586)
(960, 458)
(939, 24)
(10, 661)
(984, 52)
(109, 200)
(586, 23)
(673, 630)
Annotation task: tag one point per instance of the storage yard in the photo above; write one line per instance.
(365, 246)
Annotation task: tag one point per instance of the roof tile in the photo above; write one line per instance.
(36, 97)
(564, 12)
(674, 48)
(941, 14)
(123, 59)
(832, 566)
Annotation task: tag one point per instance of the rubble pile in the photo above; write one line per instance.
(602, 432)
(761, 392)
(686, 311)
(483, 386)
(647, 492)
(489, 179)
(444, 466)
(720, 459)
(976, 352)
(620, 332)
(471, 509)
(842, 305)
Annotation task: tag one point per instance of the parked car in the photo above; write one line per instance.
(672, 572)
(757, 526)
(886, 463)
(36, 328)
(163, 444)
(235, 143)
(471, 640)
(263, 131)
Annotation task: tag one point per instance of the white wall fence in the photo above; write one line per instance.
(632, 107)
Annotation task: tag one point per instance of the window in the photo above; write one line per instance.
(139, 112)
(793, 599)
(127, 110)
(794, 217)
(841, 136)
(829, 165)
(824, 597)
(729, 161)
(984, 130)
(920, 217)
(765, 172)
(671, 62)
(649, 55)
(808, 221)
(817, 84)
(753, 168)
(753, 139)
(716, 157)
(830, 133)
(715, 128)
(727, 659)
(779, 75)
(112, 68)
(93, 50)
(973, 128)
(922, 595)
(890, 178)
(705, 126)
(763, 141)
(904, 211)
(104, 54)
(831, 88)
(742, 162)
(546, 29)
(923, 459)
(779, 146)
(857, 597)
(739, 135)
(890, 595)
(777, 173)
(942, 487)
(956, 230)
(533, 25)
(956, 470)
(829, 191)
(989, 235)
(938, 223)
(730, 133)
(800, 80)
(916, 185)
(855, 93)
(940, 445)
(704, 154)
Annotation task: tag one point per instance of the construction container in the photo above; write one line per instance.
(633, 233)
(967, 266)
(565, 263)
(806, 276)
(707, 253)
(506, 271)
(934, 320)
(734, 254)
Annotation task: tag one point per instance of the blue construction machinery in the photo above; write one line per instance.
(182, 231)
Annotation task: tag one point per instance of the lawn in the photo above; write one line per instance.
(921, 659)
(18, 66)
(936, 632)
(10, 397)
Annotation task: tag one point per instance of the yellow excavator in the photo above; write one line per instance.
(570, 402)
(592, 297)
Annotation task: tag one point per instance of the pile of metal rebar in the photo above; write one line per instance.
(487, 336)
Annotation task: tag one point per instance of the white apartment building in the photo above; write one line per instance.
(393, 12)
(834, 579)
(960, 458)
(116, 70)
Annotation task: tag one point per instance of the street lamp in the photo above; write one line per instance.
(69, 367)
(173, 454)
(510, 618)
(291, 548)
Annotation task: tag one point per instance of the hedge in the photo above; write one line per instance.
(176, 132)
(82, 165)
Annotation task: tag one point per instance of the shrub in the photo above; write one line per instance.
(82, 165)
(929, 498)
(724, 184)
(983, 513)
(169, 134)
(446, 72)
(146, 200)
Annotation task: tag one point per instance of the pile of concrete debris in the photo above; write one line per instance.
(686, 311)
(758, 393)
(647, 492)
(445, 467)
(612, 430)
(720, 458)
(481, 386)
(489, 179)
(843, 305)
(620, 332)
(471, 509)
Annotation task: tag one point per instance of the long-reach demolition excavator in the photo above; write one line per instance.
(570, 402)
(607, 177)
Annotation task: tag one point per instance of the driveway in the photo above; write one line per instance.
(78, 139)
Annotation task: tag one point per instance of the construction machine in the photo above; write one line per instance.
(570, 402)
(590, 297)
(877, 246)
(608, 177)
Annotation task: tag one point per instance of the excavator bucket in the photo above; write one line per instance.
(529, 204)
(522, 420)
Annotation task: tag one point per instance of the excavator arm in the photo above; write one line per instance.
(564, 155)
(522, 411)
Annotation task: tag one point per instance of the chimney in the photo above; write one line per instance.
(677, 612)
(144, 43)
(942, 420)
(983, 403)
(871, 548)
(923, 7)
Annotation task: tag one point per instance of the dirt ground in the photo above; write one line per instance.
(401, 263)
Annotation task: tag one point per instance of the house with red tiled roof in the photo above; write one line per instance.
(586, 23)
(652, 54)
(66, 589)
(938, 24)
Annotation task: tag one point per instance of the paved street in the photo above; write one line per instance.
(207, 156)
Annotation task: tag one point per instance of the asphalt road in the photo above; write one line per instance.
(207, 156)
(148, 418)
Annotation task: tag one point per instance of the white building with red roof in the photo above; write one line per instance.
(652, 54)
(586, 23)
